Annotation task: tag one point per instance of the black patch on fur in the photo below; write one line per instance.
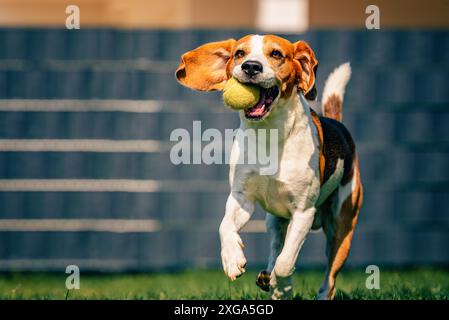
(337, 144)
(311, 95)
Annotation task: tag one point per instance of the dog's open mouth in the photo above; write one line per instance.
(262, 107)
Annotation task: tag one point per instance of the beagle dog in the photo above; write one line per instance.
(317, 184)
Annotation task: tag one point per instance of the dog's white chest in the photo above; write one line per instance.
(296, 184)
(272, 194)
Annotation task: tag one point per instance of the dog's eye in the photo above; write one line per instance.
(276, 54)
(239, 54)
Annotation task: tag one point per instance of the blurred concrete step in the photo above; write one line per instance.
(101, 165)
(368, 86)
(166, 206)
(389, 165)
(419, 129)
(113, 125)
(380, 47)
(143, 251)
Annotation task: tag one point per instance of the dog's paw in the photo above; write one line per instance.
(263, 280)
(232, 257)
(326, 294)
(322, 296)
(281, 288)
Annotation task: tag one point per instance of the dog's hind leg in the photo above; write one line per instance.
(339, 229)
(277, 228)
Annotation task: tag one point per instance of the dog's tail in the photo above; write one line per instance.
(334, 90)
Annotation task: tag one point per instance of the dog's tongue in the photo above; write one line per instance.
(256, 111)
(259, 109)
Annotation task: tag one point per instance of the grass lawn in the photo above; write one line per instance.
(422, 283)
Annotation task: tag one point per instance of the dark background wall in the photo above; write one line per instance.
(108, 84)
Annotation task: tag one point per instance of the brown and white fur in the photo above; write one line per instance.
(317, 184)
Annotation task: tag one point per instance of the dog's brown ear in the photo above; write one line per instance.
(204, 68)
(308, 65)
(313, 93)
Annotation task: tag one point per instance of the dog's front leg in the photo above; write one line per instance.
(238, 211)
(297, 230)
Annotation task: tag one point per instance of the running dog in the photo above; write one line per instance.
(317, 184)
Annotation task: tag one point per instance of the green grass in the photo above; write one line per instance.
(394, 284)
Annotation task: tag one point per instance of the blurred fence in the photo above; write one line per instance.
(85, 174)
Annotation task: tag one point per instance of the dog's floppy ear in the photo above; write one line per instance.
(313, 93)
(204, 68)
(308, 66)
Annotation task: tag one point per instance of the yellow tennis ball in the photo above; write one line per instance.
(237, 95)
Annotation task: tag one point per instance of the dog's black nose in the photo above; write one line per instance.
(252, 68)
